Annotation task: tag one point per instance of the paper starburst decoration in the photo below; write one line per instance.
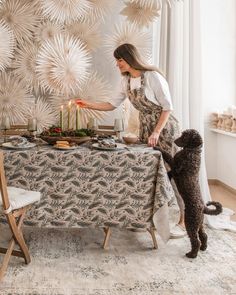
(6, 46)
(43, 112)
(141, 14)
(88, 33)
(47, 30)
(20, 18)
(25, 66)
(129, 33)
(14, 98)
(99, 92)
(65, 11)
(100, 8)
(62, 65)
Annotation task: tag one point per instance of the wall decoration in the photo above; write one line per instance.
(142, 13)
(100, 91)
(63, 65)
(43, 112)
(52, 48)
(47, 30)
(14, 98)
(20, 17)
(25, 67)
(129, 33)
(100, 8)
(65, 11)
(6, 46)
(88, 33)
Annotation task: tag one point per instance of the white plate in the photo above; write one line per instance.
(119, 146)
(9, 145)
(66, 149)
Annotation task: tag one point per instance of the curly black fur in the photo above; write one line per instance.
(185, 166)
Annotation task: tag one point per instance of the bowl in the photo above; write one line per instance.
(130, 140)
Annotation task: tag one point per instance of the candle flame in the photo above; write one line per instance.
(61, 107)
(69, 104)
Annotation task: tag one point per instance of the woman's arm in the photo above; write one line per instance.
(153, 138)
(100, 106)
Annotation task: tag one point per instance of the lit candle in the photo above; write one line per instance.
(61, 118)
(77, 118)
(69, 108)
(32, 124)
(5, 123)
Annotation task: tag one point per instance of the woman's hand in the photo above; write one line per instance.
(82, 103)
(99, 106)
(153, 139)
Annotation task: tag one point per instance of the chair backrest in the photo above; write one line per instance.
(17, 130)
(3, 185)
(105, 130)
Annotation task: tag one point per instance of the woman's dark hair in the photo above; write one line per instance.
(130, 54)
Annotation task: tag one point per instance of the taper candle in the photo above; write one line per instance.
(69, 109)
(77, 118)
(61, 118)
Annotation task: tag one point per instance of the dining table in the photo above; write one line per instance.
(88, 187)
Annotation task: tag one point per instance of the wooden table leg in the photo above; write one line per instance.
(107, 236)
(152, 233)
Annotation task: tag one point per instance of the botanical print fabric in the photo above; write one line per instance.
(149, 114)
(90, 188)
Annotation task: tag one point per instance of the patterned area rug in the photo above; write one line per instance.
(72, 262)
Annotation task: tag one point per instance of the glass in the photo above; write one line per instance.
(32, 126)
(118, 125)
(5, 125)
(93, 124)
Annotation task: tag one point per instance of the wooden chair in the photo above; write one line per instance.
(17, 130)
(105, 130)
(14, 203)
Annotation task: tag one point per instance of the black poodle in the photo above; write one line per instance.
(185, 166)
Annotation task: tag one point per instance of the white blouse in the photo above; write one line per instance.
(155, 87)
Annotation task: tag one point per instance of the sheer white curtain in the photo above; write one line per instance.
(180, 59)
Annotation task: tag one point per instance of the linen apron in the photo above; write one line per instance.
(149, 115)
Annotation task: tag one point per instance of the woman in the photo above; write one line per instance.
(148, 92)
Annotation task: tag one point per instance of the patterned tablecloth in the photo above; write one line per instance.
(87, 187)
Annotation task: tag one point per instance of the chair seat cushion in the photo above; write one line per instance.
(19, 197)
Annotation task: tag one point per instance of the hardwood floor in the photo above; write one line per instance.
(227, 198)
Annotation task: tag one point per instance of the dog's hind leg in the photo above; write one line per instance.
(193, 235)
(195, 244)
(203, 238)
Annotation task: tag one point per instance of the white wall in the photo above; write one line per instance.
(219, 83)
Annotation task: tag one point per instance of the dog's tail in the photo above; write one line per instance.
(218, 208)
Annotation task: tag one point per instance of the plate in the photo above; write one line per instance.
(120, 146)
(65, 149)
(9, 145)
